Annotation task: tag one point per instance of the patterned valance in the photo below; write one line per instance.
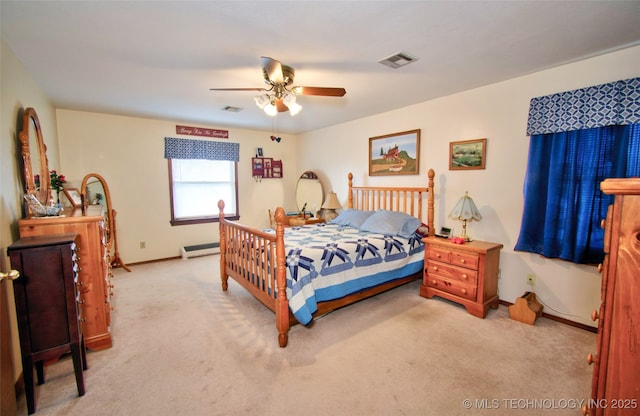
(200, 149)
(616, 103)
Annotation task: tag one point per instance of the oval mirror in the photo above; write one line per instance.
(95, 191)
(34, 156)
(309, 192)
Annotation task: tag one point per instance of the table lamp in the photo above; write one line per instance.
(465, 210)
(329, 207)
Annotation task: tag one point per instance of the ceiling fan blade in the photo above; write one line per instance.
(281, 107)
(325, 91)
(237, 89)
(272, 70)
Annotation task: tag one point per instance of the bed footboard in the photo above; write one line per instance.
(247, 255)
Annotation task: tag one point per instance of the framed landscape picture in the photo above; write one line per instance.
(468, 154)
(395, 154)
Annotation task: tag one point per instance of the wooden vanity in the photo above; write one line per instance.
(94, 279)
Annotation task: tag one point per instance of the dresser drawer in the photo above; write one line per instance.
(451, 272)
(469, 260)
(439, 253)
(452, 286)
(461, 258)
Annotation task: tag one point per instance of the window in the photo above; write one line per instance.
(196, 186)
(202, 172)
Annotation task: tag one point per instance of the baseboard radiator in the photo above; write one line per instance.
(200, 250)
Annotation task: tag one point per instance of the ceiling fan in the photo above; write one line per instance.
(281, 95)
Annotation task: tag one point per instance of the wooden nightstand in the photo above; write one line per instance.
(298, 221)
(463, 273)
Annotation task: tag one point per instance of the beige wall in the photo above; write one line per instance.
(499, 113)
(18, 92)
(129, 153)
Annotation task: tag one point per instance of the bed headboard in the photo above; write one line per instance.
(403, 199)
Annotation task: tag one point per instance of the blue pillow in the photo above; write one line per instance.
(391, 223)
(352, 217)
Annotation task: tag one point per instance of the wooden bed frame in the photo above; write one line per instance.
(245, 251)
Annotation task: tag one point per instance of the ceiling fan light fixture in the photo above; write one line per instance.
(289, 99)
(271, 109)
(262, 100)
(294, 108)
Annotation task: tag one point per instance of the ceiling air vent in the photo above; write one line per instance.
(397, 60)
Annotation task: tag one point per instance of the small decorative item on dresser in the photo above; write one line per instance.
(328, 210)
(36, 209)
(74, 196)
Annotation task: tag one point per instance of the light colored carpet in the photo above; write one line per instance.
(182, 346)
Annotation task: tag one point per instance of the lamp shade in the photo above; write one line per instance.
(465, 210)
(331, 202)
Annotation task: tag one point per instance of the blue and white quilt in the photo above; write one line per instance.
(330, 261)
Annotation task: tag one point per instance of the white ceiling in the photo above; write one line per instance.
(158, 59)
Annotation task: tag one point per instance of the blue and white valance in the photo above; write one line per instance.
(200, 149)
(615, 103)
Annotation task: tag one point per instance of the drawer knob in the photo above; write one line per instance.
(600, 268)
(594, 315)
(435, 283)
(590, 359)
(462, 261)
(585, 410)
(464, 276)
(603, 222)
(464, 291)
(435, 268)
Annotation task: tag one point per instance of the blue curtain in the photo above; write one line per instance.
(563, 202)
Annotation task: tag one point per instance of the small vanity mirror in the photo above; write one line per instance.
(309, 192)
(95, 191)
(34, 157)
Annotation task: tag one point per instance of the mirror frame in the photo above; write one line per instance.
(107, 201)
(309, 175)
(30, 116)
(112, 238)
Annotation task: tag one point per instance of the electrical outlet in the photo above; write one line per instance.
(143, 244)
(531, 279)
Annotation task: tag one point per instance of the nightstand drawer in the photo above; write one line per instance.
(458, 258)
(451, 272)
(451, 286)
(468, 260)
(438, 253)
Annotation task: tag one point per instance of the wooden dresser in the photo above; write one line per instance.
(47, 305)
(463, 273)
(615, 387)
(94, 262)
